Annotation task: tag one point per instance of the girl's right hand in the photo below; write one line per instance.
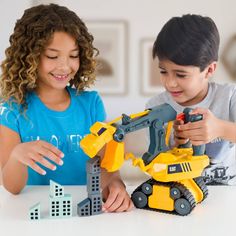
(34, 152)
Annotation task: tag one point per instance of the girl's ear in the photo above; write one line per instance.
(211, 69)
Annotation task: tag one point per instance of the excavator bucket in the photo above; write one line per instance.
(101, 134)
(114, 156)
(91, 145)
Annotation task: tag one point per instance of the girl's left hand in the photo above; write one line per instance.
(116, 197)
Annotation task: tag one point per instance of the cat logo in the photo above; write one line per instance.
(172, 168)
(176, 168)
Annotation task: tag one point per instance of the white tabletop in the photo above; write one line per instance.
(215, 216)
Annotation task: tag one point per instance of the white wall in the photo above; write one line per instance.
(145, 19)
(9, 11)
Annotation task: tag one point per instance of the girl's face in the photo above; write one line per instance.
(59, 62)
(186, 84)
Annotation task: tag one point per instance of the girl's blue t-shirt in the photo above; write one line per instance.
(63, 129)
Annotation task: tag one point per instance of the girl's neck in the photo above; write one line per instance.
(58, 100)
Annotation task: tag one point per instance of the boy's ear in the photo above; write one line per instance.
(211, 69)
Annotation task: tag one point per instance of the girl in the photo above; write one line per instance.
(45, 111)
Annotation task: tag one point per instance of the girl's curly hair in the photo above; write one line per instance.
(31, 34)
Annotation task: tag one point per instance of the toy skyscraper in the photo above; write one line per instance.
(93, 204)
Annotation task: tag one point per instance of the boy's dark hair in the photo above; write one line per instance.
(188, 40)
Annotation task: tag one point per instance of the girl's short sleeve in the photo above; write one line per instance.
(8, 117)
(99, 109)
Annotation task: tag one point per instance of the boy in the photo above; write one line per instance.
(187, 49)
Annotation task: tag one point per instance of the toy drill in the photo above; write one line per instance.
(176, 185)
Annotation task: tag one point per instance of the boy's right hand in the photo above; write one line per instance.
(34, 152)
(178, 137)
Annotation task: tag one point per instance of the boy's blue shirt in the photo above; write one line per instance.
(63, 129)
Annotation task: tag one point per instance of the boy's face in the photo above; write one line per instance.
(186, 84)
(59, 62)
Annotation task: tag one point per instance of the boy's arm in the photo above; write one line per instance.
(215, 127)
(227, 130)
(206, 130)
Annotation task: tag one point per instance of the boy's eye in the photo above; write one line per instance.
(163, 72)
(180, 75)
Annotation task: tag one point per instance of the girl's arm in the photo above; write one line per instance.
(16, 157)
(107, 177)
(114, 193)
(14, 173)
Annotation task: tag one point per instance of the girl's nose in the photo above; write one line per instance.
(63, 64)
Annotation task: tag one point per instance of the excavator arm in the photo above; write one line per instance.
(112, 135)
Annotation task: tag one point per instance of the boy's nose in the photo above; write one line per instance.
(171, 82)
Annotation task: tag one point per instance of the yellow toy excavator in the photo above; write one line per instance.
(176, 185)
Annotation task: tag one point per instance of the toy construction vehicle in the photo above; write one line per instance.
(176, 185)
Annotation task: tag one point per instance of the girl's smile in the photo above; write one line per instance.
(61, 78)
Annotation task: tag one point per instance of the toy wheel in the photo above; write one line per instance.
(147, 188)
(182, 206)
(139, 199)
(175, 193)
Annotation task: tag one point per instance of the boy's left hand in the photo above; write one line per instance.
(116, 197)
(200, 132)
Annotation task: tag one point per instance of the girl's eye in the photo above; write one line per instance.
(49, 57)
(76, 56)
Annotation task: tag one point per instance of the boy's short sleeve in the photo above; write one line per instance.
(232, 110)
(8, 117)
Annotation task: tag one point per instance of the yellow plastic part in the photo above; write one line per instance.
(160, 168)
(101, 134)
(114, 156)
(160, 198)
(132, 116)
(168, 132)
